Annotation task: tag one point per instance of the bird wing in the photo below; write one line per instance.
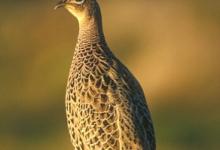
(133, 116)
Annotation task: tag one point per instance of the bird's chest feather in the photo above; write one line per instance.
(88, 76)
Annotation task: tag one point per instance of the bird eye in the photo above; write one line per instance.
(79, 2)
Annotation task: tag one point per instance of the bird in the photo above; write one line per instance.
(106, 108)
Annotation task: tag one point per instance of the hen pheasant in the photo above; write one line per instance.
(105, 105)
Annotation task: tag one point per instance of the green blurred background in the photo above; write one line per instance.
(173, 48)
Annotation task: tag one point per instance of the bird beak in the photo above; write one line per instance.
(61, 3)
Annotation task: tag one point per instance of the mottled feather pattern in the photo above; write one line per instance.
(105, 105)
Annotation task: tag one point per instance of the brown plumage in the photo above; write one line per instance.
(105, 105)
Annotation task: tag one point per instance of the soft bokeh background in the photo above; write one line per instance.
(173, 48)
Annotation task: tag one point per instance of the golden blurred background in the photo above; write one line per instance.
(173, 48)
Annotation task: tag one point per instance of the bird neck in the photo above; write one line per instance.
(90, 31)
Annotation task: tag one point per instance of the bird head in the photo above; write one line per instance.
(81, 9)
